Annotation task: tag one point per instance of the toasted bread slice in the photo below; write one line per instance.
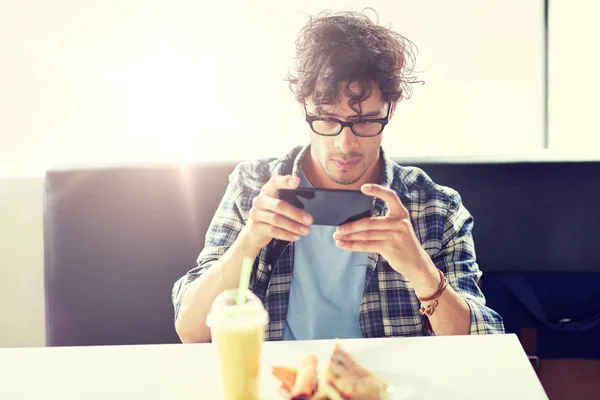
(345, 379)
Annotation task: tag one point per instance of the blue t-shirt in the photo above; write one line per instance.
(327, 287)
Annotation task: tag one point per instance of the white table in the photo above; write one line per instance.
(460, 367)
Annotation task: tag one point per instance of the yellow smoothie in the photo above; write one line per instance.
(238, 333)
(239, 352)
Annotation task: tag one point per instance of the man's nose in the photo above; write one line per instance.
(346, 140)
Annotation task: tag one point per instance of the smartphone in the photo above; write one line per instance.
(331, 207)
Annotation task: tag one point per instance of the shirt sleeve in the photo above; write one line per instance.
(222, 232)
(457, 260)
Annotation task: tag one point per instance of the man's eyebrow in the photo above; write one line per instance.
(369, 114)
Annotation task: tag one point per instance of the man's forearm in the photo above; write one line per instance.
(199, 296)
(452, 315)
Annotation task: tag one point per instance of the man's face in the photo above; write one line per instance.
(346, 158)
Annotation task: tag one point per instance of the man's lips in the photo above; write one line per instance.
(345, 164)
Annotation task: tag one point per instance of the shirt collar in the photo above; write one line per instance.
(387, 172)
(298, 160)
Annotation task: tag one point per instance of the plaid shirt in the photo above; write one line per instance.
(389, 306)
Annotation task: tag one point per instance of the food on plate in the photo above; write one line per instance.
(306, 379)
(342, 379)
(285, 375)
(345, 379)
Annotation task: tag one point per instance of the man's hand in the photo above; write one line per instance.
(394, 238)
(273, 218)
(391, 235)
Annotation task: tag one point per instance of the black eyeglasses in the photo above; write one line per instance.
(326, 126)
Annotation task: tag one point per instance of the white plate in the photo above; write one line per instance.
(401, 387)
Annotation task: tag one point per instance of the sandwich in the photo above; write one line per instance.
(345, 379)
(342, 379)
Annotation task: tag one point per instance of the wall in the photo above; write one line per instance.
(573, 75)
(87, 82)
(21, 263)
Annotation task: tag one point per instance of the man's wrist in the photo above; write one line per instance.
(244, 245)
(227, 271)
(425, 280)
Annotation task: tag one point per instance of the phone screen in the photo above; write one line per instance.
(331, 207)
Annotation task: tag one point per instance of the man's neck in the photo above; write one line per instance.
(319, 178)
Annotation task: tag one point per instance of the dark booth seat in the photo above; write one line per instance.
(118, 237)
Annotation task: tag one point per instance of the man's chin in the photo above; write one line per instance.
(344, 175)
(344, 178)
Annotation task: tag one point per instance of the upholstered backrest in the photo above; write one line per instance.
(117, 238)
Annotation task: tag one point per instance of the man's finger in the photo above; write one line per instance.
(368, 224)
(361, 246)
(279, 221)
(284, 208)
(275, 232)
(280, 182)
(391, 199)
(364, 236)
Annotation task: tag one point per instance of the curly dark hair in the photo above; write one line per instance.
(349, 47)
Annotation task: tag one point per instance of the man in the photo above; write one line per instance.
(408, 270)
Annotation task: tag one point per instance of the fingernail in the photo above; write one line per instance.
(340, 229)
(296, 238)
(368, 187)
(304, 230)
(307, 219)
